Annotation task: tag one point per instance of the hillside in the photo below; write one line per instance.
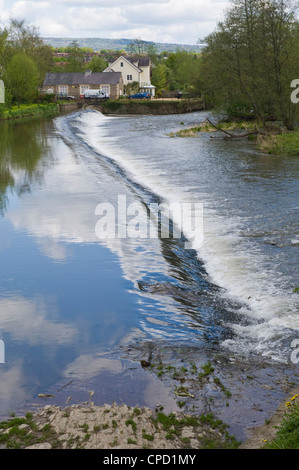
(116, 44)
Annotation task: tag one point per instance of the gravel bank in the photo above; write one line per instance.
(111, 427)
(213, 399)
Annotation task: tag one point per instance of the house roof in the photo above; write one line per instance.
(136, 62)
(122, 58)
(141, 61)
(82, 78)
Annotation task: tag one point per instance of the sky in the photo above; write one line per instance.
(168, 21)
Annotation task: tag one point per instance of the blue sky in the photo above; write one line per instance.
(175, 21)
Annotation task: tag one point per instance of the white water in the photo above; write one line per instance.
(260, 277)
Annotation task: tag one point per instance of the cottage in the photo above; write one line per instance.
(76, 83)
(134, 69)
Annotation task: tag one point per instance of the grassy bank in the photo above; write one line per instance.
(113, 426)
(275, 141)
(31, 110)
(207, 127)
(287, 436)
(124, 107)
(280, 144)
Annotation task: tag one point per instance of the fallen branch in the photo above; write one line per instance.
(233, 136)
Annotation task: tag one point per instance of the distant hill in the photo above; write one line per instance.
(117, 44)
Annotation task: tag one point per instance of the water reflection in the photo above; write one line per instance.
(38, 327)
(21, 148)
(67, 297)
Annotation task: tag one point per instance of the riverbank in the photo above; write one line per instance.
(30, 111)
(115, 426)
(203, 393)
(112, 427)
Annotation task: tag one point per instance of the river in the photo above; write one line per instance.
(86, 267)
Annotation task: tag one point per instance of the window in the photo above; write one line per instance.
(121, 64)
(62, 89)
(83, 88)
(106, 89)
(129, 77)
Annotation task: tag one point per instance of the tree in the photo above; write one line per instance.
(3, 40)
(131, 88)
(183, 69)
(249, 61)
(23, 77)
(26, 39)
(159, 77)
(76, 57)
(97, 64)
(139, 47)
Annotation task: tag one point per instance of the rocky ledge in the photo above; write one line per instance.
(110, 427)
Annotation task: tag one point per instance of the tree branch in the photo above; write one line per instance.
(233, 136)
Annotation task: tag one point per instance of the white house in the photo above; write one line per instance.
(134, 69)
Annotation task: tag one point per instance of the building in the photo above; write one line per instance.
(134, 69)
(75, 83)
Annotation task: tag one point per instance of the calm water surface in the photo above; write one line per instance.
(68, 299)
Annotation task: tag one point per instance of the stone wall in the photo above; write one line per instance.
(150, 106)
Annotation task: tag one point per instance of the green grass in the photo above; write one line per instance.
(285, 144)
(173, 427)
(148, 437)
(131, 422)
(207, 370)
(29, 110)
(287, 436)
(13, 436)
(206, 127)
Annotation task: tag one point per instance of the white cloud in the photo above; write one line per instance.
(158, 20)
(28, 319)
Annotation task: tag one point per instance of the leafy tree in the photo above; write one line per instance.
(177, 70)
(159, 77)
(183, 69)
(131, 88)
(76, 58)
(97, 64)
(22, 77)
(250, 58)
(26, 39)
(137, 47)
(3, 39)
